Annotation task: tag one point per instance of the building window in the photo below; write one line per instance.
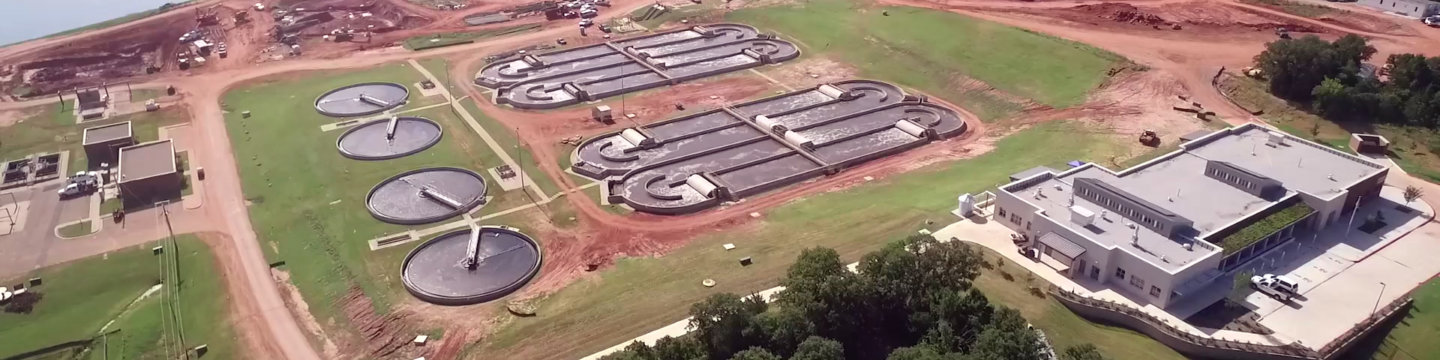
(1002, 212)
(1027, 225)
(1154, 291)
(1137, 282)
(1120, 273)
(1015, 218)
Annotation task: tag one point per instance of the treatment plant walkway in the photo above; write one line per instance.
(470, 120)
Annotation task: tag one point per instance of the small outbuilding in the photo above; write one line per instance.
(148, 172)
(1369, 144)
(103, 143)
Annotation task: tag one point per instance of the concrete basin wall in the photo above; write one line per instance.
(565, 77)
(742, 157)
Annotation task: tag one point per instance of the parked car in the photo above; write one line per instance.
(1270, 286)
(1283, 282)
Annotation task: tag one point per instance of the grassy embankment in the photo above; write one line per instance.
(50, 129)
(423, 42)
(936, 52)
(1413, 337)
(308, 201)
(1415, 149)
(82, 297)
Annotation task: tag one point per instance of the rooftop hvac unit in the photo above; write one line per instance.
(799, 140)
(701, 185)
(1276, 139)
(1081, 216)
(831, 91)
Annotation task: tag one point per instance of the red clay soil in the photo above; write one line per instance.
(607, 236)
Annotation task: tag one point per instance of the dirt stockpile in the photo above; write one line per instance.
(1204, 15)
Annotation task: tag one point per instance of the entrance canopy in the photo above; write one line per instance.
(1062, 245)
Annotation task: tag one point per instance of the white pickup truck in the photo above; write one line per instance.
(1278, 287)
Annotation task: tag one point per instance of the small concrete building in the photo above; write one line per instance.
(148, 172)
(1409, 8)
(1369, 144)
(1172, 226)
(102, 143)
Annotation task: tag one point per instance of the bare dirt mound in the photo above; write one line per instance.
(1193, 15)
(1122, 13)
(384, 336)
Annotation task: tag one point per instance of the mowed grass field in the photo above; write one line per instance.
(82, 297)
(641, 294)
(937, 52)
(50, 129)
(307, 202)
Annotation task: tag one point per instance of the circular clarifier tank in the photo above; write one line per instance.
(389, 138)
(362, 99)
(427, 195)
(443, 270)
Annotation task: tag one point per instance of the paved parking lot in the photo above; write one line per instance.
(1340, 274)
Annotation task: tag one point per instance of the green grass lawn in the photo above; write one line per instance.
(81, 297)
(641, 294)
(423, 42)
(52, 130)
(508, 141)
(75, 230)
(935, 51)
(1413, 338)
(308, 205)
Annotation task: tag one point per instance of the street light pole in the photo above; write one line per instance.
(1377, 299)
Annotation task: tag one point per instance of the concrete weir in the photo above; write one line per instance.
(388, 139)
(470, 266)
(427, 195)
(693, 162)
(571, 76)
(362, 99)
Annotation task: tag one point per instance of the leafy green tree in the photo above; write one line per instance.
(635, 351)
(819, 348)
(1332, 99)
(1082, 352)
(1352, 49)
(721, 319)
(830, 296)
(919, 352)
(1008, 337)
(755, 353)
(681, 348)
(780, 330)
(1296, 66)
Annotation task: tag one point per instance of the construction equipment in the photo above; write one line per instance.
(1252, 72)
(1149, 138)
(1282, 33)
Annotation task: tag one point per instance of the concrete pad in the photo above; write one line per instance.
(13, 216)
(437, 91)
(512, 183)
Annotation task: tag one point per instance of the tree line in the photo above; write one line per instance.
(1332, 78)
(914, 299)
